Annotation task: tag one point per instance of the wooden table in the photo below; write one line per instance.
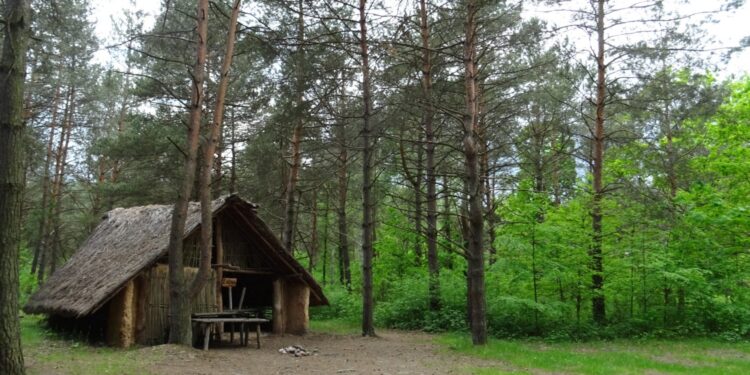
(208, 323)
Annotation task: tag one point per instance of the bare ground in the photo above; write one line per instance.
(393, 352)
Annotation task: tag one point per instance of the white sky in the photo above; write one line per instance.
(730, 29)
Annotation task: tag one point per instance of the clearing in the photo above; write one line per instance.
(394, 352)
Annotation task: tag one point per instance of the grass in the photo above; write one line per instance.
(340, 327)
(46, 353)
(695, 356)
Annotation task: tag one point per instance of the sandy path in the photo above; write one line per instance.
(392, 353)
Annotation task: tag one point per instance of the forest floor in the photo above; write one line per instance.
(341, 351)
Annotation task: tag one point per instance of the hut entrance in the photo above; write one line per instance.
(250, 292)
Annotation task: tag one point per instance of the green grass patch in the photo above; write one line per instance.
(44, 353)
(608, 357)
(337, 326)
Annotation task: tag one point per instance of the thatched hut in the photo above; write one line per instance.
(116, 284)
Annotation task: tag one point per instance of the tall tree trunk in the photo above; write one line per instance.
(291, 188)
(325, 237)
(416, 184)
(488, 195)
(42, 243)
(433, 266)
(597, 278)
(116, 164)
(368, 328)
(313, 253)
(345, 275)
(418, 200)
(475, 251)
(209, 149)
(233, 162)
(12, 69)
(179, 323)
(57, 186)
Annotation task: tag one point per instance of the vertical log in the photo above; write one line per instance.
(219, 264)
(597, 269)
(57, 186)
(204, 270)
(475, 251)
(279, 316)
(41, 246)
(180, 331)
(313, 253)
(345, 276)
(429, 132)
(368, 328)
(233, 162)
(12, 149)
(291, 187)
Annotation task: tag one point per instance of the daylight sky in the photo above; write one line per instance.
(730, 29)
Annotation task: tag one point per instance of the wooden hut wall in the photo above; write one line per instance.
(156, 322)
(191, 249)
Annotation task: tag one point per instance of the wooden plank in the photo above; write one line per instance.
(229, 282)
(262, 272)
(230, 320)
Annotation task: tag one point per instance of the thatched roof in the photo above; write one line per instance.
(128, 240)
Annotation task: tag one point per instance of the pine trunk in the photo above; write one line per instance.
(179, 323)
(475, 251)
(41, 246)
(433, 266)
(209, 149)
(291, 188)
(345, 275)
(12, 150)
(597, 269)
(57, 186)
(368, 328)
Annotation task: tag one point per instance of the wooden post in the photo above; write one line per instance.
(206, 336)
(242, 298)
(141, 290)
(219, 270)
(296, 303)
(120, 330)
(279, 313)
(257, 334)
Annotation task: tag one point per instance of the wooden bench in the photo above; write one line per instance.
(208, 323)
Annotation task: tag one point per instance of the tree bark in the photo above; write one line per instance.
(368, 328)
(44, 220)
(433, 266)
(179, 323)
(209, 149)
(597, 269)
(475, 252)
(57, 185)
(233, 162)
(12, 149)
(313, 254)
(345, 275)
(291, 188)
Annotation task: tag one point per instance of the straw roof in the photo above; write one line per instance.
(128, 240)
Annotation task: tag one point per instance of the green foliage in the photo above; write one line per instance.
(27, 280)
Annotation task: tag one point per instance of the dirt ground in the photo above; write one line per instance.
(391, 353)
